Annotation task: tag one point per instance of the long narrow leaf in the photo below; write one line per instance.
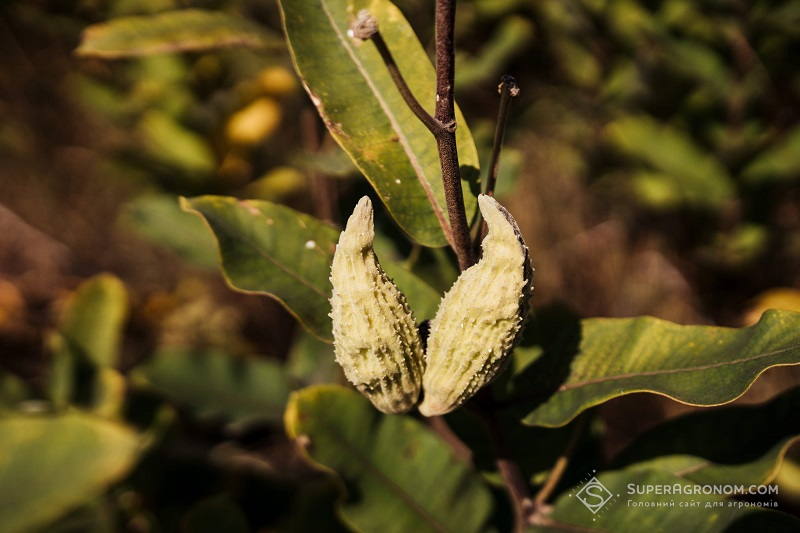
(172, 31)
(589, 362)
(363, 110)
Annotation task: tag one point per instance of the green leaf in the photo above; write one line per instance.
(399, 476)
(172, 31)
(270, 249)
(352, 90)
(788, 479)
(779, 162)
(700, 177)
(513, 35)
(578, 62)
(62, 379)
(51, 464)
(739, 247)
(93, 319)
(170, 143)
(578, 365)
(756, 440)
(311, 361)
(86, 347)
(629, 23)
(701, 62)
(625, 512)
(108, 393)
(160, 218)
(215, 384)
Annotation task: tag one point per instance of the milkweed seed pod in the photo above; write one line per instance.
(481, 317)
(375, 335)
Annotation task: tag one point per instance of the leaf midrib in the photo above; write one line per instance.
(437, 208)
(237, 236)
(604, 379)
(357, 454)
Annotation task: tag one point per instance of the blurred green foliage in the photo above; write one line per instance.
(677, 120)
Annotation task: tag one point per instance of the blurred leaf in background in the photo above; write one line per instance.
(651, 163)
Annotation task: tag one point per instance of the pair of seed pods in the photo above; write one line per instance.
(479, 321)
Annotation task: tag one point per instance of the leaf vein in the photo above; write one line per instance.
(437, 208)
(675, 370)
(357, 454)
(286, 270)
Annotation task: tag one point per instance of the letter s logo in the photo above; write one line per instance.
(594, 495)
(595, 491)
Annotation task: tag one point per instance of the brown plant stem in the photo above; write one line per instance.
(443, 127)
(440, 426)
(443, 124)
(451, 178)
(510, 471)
(433, 125)
(559, 467)
(508, 89)
(323, 190)
(446, 139)
(520, 498)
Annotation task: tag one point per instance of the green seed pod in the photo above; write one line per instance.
(375, 335)
(480, 318)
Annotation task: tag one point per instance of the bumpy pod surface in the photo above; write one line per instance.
(480, 318)
(375, 335)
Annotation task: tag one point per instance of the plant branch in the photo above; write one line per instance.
(559, 467)
(365, 28)
(323, 190)
(446, 139)
(524, 508)
(508, 89)
(439, 425)
(451, 178)
(443, 127)
(443, 124)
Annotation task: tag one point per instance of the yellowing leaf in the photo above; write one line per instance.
(254, 123)
(363, 110)
(51, 464)
(172, 31)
